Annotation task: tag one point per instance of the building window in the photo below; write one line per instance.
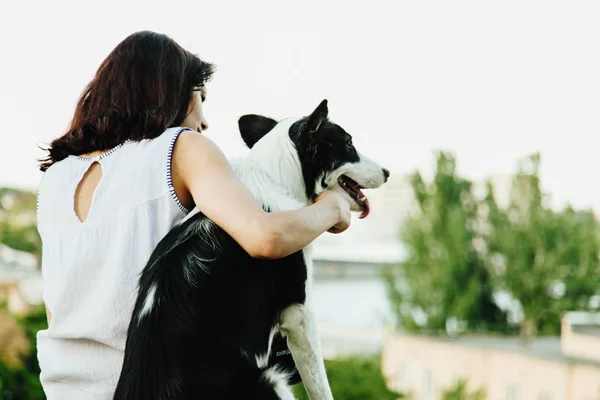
(402, 379)
(511, 393)
(429, 389)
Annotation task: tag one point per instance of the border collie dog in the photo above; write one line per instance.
(206, 312)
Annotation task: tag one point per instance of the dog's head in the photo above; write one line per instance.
(317, 151)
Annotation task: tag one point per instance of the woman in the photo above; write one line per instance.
(131, 165)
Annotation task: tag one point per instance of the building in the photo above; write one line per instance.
(355, 261)
(554, 368)
(20, 280)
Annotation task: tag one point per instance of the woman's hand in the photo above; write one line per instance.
(343, 207)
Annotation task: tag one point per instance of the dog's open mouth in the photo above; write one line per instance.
(353, 190)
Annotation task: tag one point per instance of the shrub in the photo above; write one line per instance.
(459, 392)
(354, 378)
(20, 379)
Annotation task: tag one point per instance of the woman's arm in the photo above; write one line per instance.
(202, 176)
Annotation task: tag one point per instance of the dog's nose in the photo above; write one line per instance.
(386, 173)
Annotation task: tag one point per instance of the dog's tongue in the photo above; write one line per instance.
(365, 203)
(359, 196)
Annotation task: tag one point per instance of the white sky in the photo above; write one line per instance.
(491, 81)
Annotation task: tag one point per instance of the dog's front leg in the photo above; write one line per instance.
(298, 325)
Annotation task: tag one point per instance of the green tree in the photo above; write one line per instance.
(548, 260)
(445, 274)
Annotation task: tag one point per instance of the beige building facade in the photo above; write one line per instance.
(565, 368)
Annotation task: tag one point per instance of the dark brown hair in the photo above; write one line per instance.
(143, 87)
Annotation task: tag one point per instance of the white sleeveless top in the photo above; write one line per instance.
(90, 270)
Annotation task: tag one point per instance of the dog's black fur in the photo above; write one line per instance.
(213, 307)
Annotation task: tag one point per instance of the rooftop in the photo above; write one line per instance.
(585, 329)
(547, 348)
(583, 318)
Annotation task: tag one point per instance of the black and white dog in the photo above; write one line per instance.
(207, 312)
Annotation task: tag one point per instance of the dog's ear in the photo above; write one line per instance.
(253, 127)
(317, 117)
